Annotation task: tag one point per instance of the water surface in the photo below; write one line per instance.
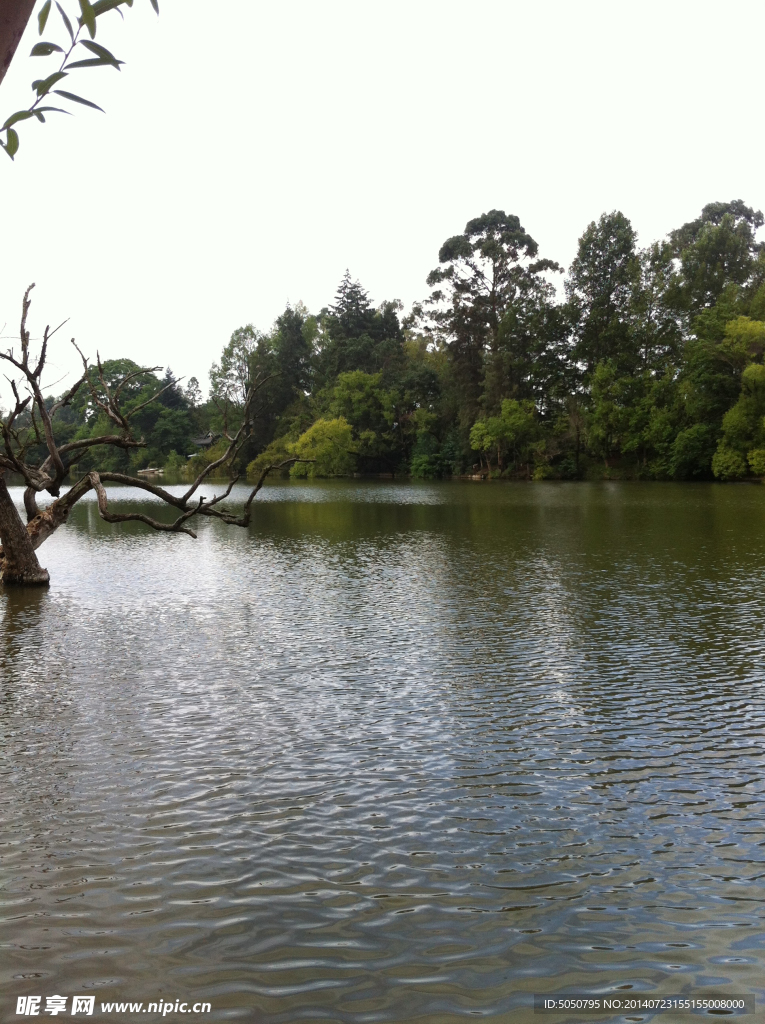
(399, 752)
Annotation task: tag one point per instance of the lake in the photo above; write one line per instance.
(398, 752)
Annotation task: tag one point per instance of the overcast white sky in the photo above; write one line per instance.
(248, 162)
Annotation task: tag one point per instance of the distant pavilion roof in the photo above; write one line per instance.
(206, 441)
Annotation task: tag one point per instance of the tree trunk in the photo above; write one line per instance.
(14, 15)
(19, 563)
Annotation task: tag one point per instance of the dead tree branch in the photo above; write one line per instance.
(138, 517)
(29, 426)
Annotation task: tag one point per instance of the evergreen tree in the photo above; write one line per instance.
(356, 336)
(351, 315)
(602, 286)
(487, 289)
(716, 251)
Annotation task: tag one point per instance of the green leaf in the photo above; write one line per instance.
(21, 115)
(103, 53)
(44, 49)
(78, 99)
(42, 17)
(39, 112)
(88, 17)
(102, 6)
(67, 22)
(43, 85)
(12, 145)
(92, 62)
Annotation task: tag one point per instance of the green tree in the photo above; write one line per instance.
(602, 286)
(709, 384)
(193, 393)
(529, 358)
(716, 251)
(691, 451)
(657, 320)
(508, 435)
(608, 418)
(293, 347)
(356, 336)
(326, 448)
(231, 377)
(359, 399)
(483, 273)
(743, 341)
(742, 445)
(285, 358)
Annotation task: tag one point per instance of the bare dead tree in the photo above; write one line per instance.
(29, 426)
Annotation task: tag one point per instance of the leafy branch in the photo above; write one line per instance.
(99, 56)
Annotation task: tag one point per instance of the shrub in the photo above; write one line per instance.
(728, 464)
(756, 459)
(275, 453)
(691, 452)
(175, 463)
(330, 447)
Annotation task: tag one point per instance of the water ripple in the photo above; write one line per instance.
(399, 752)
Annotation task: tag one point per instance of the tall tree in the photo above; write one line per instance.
(294, 351)
(601, 288)
(352, 313)
(356, 336)
(489, 269)
(717, 250)
(283, 359)
(231, 378)
(658, 323)
(528, 357)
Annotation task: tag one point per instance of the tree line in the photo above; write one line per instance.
(635, 363)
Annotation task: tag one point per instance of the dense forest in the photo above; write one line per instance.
(637, 363)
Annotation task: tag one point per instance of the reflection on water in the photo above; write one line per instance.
(399, 752)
